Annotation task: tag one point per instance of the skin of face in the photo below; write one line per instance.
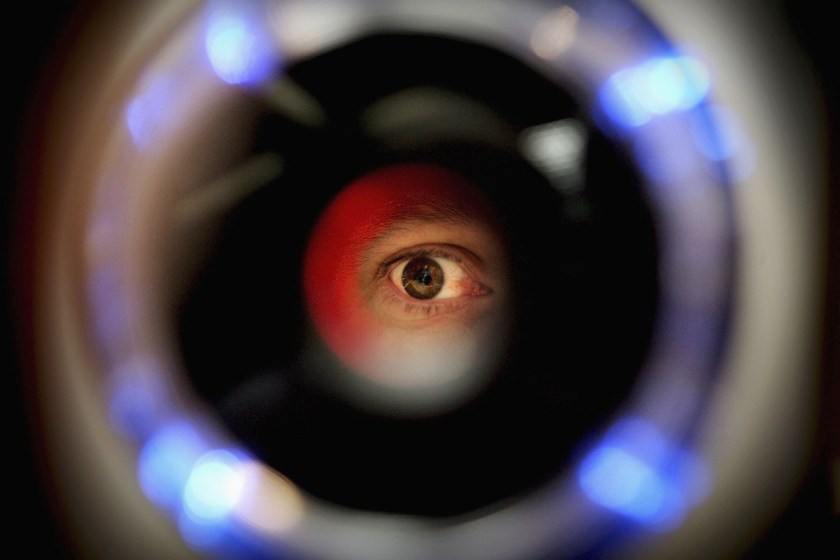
(352, 285)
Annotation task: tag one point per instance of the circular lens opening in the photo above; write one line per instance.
(576, 289)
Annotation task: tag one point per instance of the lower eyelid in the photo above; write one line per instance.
(424, 308)
(395, 305)
(391, 301)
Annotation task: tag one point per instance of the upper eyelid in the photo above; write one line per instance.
(438, 251)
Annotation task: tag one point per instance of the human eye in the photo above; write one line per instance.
(428, 280)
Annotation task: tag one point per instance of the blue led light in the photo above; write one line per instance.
(632, 96)
(211, 492)
(213, 487)
(636, 473)
(166, 462)
(619, 99)
(620, 481)
(238, 44)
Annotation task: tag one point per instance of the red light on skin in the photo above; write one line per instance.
(352, 271)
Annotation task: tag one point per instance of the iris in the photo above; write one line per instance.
(422, 278)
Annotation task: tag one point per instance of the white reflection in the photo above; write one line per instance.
(268, 502)
(558, 149)
(307, 25)
(555, 33)
(214, 486)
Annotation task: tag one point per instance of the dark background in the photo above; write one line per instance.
(32, 46)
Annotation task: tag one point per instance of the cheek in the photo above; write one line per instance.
(331, 284)
(444, 354)
(454, 352)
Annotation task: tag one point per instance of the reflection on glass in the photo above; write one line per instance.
(406, 279)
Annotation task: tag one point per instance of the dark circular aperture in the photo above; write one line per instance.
(580, 330)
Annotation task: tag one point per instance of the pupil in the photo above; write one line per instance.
(422, 278)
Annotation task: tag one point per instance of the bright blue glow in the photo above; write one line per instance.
(239, 46)
(211, 493)
(619, 100)
(618, 480)
(673, 84)
(622, 482)
(637, 473)
(166, 462)
(214, 486)
(633, 96)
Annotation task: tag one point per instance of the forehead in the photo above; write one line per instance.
(403, 196)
